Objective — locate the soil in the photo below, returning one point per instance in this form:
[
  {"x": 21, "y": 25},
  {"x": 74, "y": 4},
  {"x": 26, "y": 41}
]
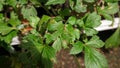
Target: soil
[{"x": 65, "y": 60}]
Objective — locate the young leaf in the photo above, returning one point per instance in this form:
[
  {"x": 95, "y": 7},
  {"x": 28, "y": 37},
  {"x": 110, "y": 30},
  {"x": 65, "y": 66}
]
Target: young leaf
[
  {"x": 94, "y": 59},
  {"x": 95, "y": 42},
  {"x": 114, "y": 40},
  {"x": 54, "y": 2},
  {"x": 77, "y": 48},
  {"x": 93, "y": 20},
  {"x": 71, "y": 20}
]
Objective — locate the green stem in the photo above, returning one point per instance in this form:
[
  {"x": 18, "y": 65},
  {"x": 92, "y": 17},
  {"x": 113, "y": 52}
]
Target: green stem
[
  {"x": 76, "y": 61},
  {"x": 112, "y": 20}
]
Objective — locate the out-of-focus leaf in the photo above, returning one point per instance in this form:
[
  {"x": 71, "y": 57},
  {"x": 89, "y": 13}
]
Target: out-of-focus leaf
[
  {"x": 95, "y": 42},
  {"x": 77, "y": 48},
  {"x": 4, "y": 29},
  {"x": 90, "y": 31},
  {"x": 34, "y": 21},
  {"x": 89, "y": 1},
  {"x": 114, "y": 40},
  {"x": 48, "y": 52},
  {"x": 65, "y": 12},
  {"x": 80, "y": 22},
  {"x": 54, "y": 2},
  {"x": 112, "y": 8},
  {"x": 57, "y": 45},
  {"x": 94, "y": 59},
  {"x": 55, "y": 26},
  {"x": 71, "y": 20},
  {"x": 111, "y": 1},
  {"x": 28, "y": 12},
  {"x": 79, "y": 7},
  {"x": 12, "y": 3},
  {"x": 93, "y": 20},
  {"x": 1, "y": 6}
]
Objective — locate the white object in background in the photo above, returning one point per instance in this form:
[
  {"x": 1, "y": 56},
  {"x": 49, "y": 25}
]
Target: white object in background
[
  {"x": 15, "y": 41},
  {"x": 106, "y": 25}
]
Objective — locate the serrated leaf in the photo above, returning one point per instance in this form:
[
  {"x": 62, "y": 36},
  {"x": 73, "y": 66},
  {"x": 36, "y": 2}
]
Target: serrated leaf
[
  {"x": 95, "y": 42},
  {"x": 57, "y": 45},
  {"x": 114, "y": 40},
  {"x": 77, "y": 48},
  {"x": 54, "y": 2},
  {"x": 90, "y": 31},
  {"x": 94, "y": 59},
  {"x": 4, "y": 29},
  {"x": 93, "y": 20},
  {"x": 71, "y": 20},
  {"x": 48, "y": 52},
  {"x": 89, "y": 1}
]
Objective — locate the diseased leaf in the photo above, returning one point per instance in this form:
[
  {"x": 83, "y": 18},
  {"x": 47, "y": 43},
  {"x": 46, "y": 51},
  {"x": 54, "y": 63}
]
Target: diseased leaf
[
  {"x": 77, "y": 48},
  {"x": 95, "y": 42},
  {"x": 114, "y": 40},
  {"x": 54, "y": 2},
  {"x": 94, "y": 59},
  {"x": 93, "y": 20}
]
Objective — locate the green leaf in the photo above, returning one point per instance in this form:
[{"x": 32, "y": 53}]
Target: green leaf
[
  {"x": 77, "y": 48},
  {"x": 95, "y": 42},
  {"x": 77, "y": 33},
  {"x": 34, "y": 21},
  {"x": 112, "y": 8},
  {"x": 48, "y": 52},
  {"x": 79, "y": 7},
  {"x": 8, "y": 38},
  {"x": 80, "y": 22},
  {"x": 14, "y": 22},
  {"x": 64, "y": 12},
  {"x": 54, "y": 2},
  {"x": 90, "y": 31},
  {"x": 89, "y": 1},
  {"x": 93, "y": 20},
  {"x": 28, "y": 12},
  {"x": 1, "y": 7},
  {"x": 107, "y": 16},
  {"x": 12, "y": 2},
  {"x": 23, "y": 1},
  {"x": 57, "y": 45},
  {"x": 114, "y": 40},
  {"x": 111, "y": 1},
  {"x": 71, "y": 20},
  {"x": 4, "y": 29},
  {"x": 94, "y": 59},
  {"x": 55, "y": 26}
]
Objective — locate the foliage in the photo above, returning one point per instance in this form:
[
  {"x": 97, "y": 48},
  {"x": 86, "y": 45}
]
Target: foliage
[{"x": 47, "y": 26}]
